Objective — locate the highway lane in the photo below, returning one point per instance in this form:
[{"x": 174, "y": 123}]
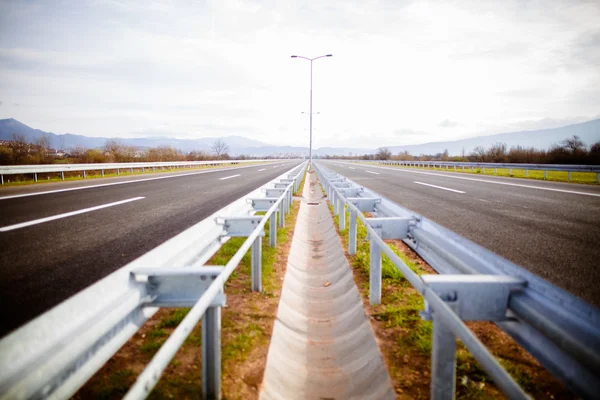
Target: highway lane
[
  {"x": 550, "y": 228},
  {"x": 43, "y": 264}
]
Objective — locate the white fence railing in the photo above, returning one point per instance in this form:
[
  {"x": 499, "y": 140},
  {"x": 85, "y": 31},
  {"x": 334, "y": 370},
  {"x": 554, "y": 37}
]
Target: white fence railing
[
  {"x": 458, "y": 166},
  {"x": 36, "y": 169},
  {"x": 56, "y": 353}
]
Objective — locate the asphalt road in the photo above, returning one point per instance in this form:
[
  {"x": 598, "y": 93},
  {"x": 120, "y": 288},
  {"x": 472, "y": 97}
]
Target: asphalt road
[
  {"x": 45, "y": 263},
  {"x": 550, "y": 228}
]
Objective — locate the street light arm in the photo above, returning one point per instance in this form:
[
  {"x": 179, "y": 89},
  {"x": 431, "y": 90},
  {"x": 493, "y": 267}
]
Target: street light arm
[{"x": 313, "y": 59}]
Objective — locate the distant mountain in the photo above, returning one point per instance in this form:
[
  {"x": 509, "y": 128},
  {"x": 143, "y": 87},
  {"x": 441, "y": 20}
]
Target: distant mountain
[
  {"x": 589, "y": 132},
  {"x": 9, "y": 127}
]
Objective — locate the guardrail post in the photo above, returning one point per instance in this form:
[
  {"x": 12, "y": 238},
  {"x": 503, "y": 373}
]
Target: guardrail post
[
  {"x": 568, "y": 175},
  {"x": 598, "y": 177},
  {"x": 546, "y": 174},
  {"x": 2, "y": 179},
  {"x": 35, "y": 177},
  {"x": 342, "y": 211},
  {"x": 62, "y": 175},
  {"x": 443, "y": 361},
  {"x": 374, "y": 273},
  {"x": 335, "y": 203},
  {"x": 83, "y": 174},
  {"x": 211, "y": 353},
  {"x": 256, "y": 265},
  {"x": 495, "y": 171},
  {"x": 510, "y": 171},
  {"x": 143, "y": 170},
  {"x": 273, "y": 229},
  {"x": 281, "y": 215},
  {"x": 352, "y": 233},
  {"x": 117, "y": 171},
  {"x": 526, "y": 172},
  {"x": 102, "y": 172},
  {"x": 131, "y": 170}
]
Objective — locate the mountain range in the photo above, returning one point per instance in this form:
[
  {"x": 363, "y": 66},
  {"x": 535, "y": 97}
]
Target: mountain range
[{"x": 589, "y": 132}]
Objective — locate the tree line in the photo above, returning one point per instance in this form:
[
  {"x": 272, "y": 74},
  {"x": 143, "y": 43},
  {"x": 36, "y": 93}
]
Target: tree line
[
  {"x": 18, "y": 151},
  {"x": 569, "y": 151}
]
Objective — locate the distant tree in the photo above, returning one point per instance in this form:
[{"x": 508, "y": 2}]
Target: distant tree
[
  {"x": 573, "y": 145},
  {"x": 383, "y": 153},
  {"x": 497, "y": 153},
  {"x": 594, "y": 153},
  {"x": 220, "y": 149},
  {"x": 478, "y": 154}
]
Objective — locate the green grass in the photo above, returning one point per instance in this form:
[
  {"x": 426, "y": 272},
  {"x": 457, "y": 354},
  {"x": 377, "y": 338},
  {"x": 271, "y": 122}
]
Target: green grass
[
  {"x": 557, "y": 176},
  {"x": 118, "y": 384},
  {"x": 250, "y": 335}
]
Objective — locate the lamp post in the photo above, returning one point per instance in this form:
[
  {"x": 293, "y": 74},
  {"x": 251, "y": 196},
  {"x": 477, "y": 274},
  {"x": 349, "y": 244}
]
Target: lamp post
[{"x": 311, "y": 113}]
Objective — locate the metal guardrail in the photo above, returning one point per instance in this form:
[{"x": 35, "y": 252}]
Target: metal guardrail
[
  {"x": 510, "y": 166},
  {"x": 56, "y": 353},
  {"x": 62, "y": 168},
  {"x": 561, "y": 331}
]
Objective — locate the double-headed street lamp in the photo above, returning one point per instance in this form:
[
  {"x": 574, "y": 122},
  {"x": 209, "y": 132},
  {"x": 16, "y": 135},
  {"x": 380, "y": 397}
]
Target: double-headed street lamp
[{"x": 311, "y": 113}]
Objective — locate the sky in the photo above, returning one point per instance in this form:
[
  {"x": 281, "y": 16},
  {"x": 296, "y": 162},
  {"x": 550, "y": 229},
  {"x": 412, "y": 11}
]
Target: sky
[{"x": 402, "y": 72}]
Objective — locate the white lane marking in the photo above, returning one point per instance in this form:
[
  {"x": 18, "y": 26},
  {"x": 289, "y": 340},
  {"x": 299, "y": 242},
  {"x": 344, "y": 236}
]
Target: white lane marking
[
  {"x": 65, "y": 215},
  {"x": 16, "y": 196},
  {"x": 374, "y": 173},
  {"x": 262, "y": 169},
  {"x": 351, "y": 168},
  {"x": 451, "y": 175},
  {"x": 440, "y": 187},
  {"x": 229, "y": 177}
]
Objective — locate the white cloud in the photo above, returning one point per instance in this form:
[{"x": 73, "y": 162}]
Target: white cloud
[{"x": 124, "y": 68}]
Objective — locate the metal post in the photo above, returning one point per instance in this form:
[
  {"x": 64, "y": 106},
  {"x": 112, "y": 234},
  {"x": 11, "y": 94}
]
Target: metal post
[
  {"x": 483, "y": 170},
  {"x": 526, "y": 172},
  {"x": 117, "y": 171},
  {"x": 83, "y": 173},
  {"x": 35, "y": 177},
  {"x": 311, "y": 113},
  {"x": 342, "y": 212},
  {"x": 510, "y": 171},
  {"x": 2, "y": 179},
  {"x": 545, "y": 174},
  {"x": 281, "y": 215},
  {"x": 153, "y": 169},
  {"x": 211, "y": 354},
  {"x": 102, "y": 172},
  {"x": 131, "y": 170},
  {"x": 335, "y": 203},
  {"x": 352, "y": 233},
  {"x": 257, "y": 265},
  {"x": 143, "y": 170},
  {"x": 443, "y": 361},
  {"x": 568, "y": 175},
  {"x": 273, "y": 229},
  {"x": 495, "y": 171},
  {"x": 598, "y": 177},
  {"x": 375, "y": 273}
]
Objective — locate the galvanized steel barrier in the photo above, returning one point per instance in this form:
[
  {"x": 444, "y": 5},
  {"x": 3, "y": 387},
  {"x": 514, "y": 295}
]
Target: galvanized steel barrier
[
  {"x": 56, "y": 353},
  {"x": 36, "y": 169},
  {"x": 561, "y": 331},
  {"x": 481, "y": 165}
]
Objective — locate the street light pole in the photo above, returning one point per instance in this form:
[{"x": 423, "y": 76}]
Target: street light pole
[{"x": 311, "y": 96}]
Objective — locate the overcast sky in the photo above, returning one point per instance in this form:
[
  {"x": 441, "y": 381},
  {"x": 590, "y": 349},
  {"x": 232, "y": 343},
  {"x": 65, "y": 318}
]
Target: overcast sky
[{"x": 402, "y": 72}]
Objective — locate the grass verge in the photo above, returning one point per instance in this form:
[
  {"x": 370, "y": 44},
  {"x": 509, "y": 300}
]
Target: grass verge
[
  {"x": 247, "y": 324},
  {"x": 405, "y": 339},
  {"x": 557, "y": 176}
]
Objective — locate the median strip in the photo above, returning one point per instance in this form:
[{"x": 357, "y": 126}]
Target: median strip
[
  {"x": 65, "y": 215},
  {"x": 439, "y": 187},
  {"x": 229, "y": 177}
]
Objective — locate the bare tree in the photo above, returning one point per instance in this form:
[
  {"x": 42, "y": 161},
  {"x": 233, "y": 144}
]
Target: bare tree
[
  {"x": 220, "y": 149},
  {"x": 573, "y": 144},
  {"x": 383, "y": 153}
]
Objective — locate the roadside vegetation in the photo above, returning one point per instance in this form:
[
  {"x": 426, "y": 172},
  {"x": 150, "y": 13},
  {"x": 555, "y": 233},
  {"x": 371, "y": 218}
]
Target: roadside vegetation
[
  {"x": 246, "y": 327},
  {"x": 405, "y": 339}
]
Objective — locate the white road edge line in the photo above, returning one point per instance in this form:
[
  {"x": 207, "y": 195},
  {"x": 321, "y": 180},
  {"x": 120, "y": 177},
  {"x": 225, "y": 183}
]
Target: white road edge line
[
  {"x": 15, "y": 196},
  {"x": 450, "y": 175},
  {"x": 264, "y": 169},
  {"x": 65, "y": 215},
  {"x": 440, "y": 187},
  {"x": 229, "y": 177},
  {"x": 351, "y": 168},
  {"x": 374, "y": 173}
]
